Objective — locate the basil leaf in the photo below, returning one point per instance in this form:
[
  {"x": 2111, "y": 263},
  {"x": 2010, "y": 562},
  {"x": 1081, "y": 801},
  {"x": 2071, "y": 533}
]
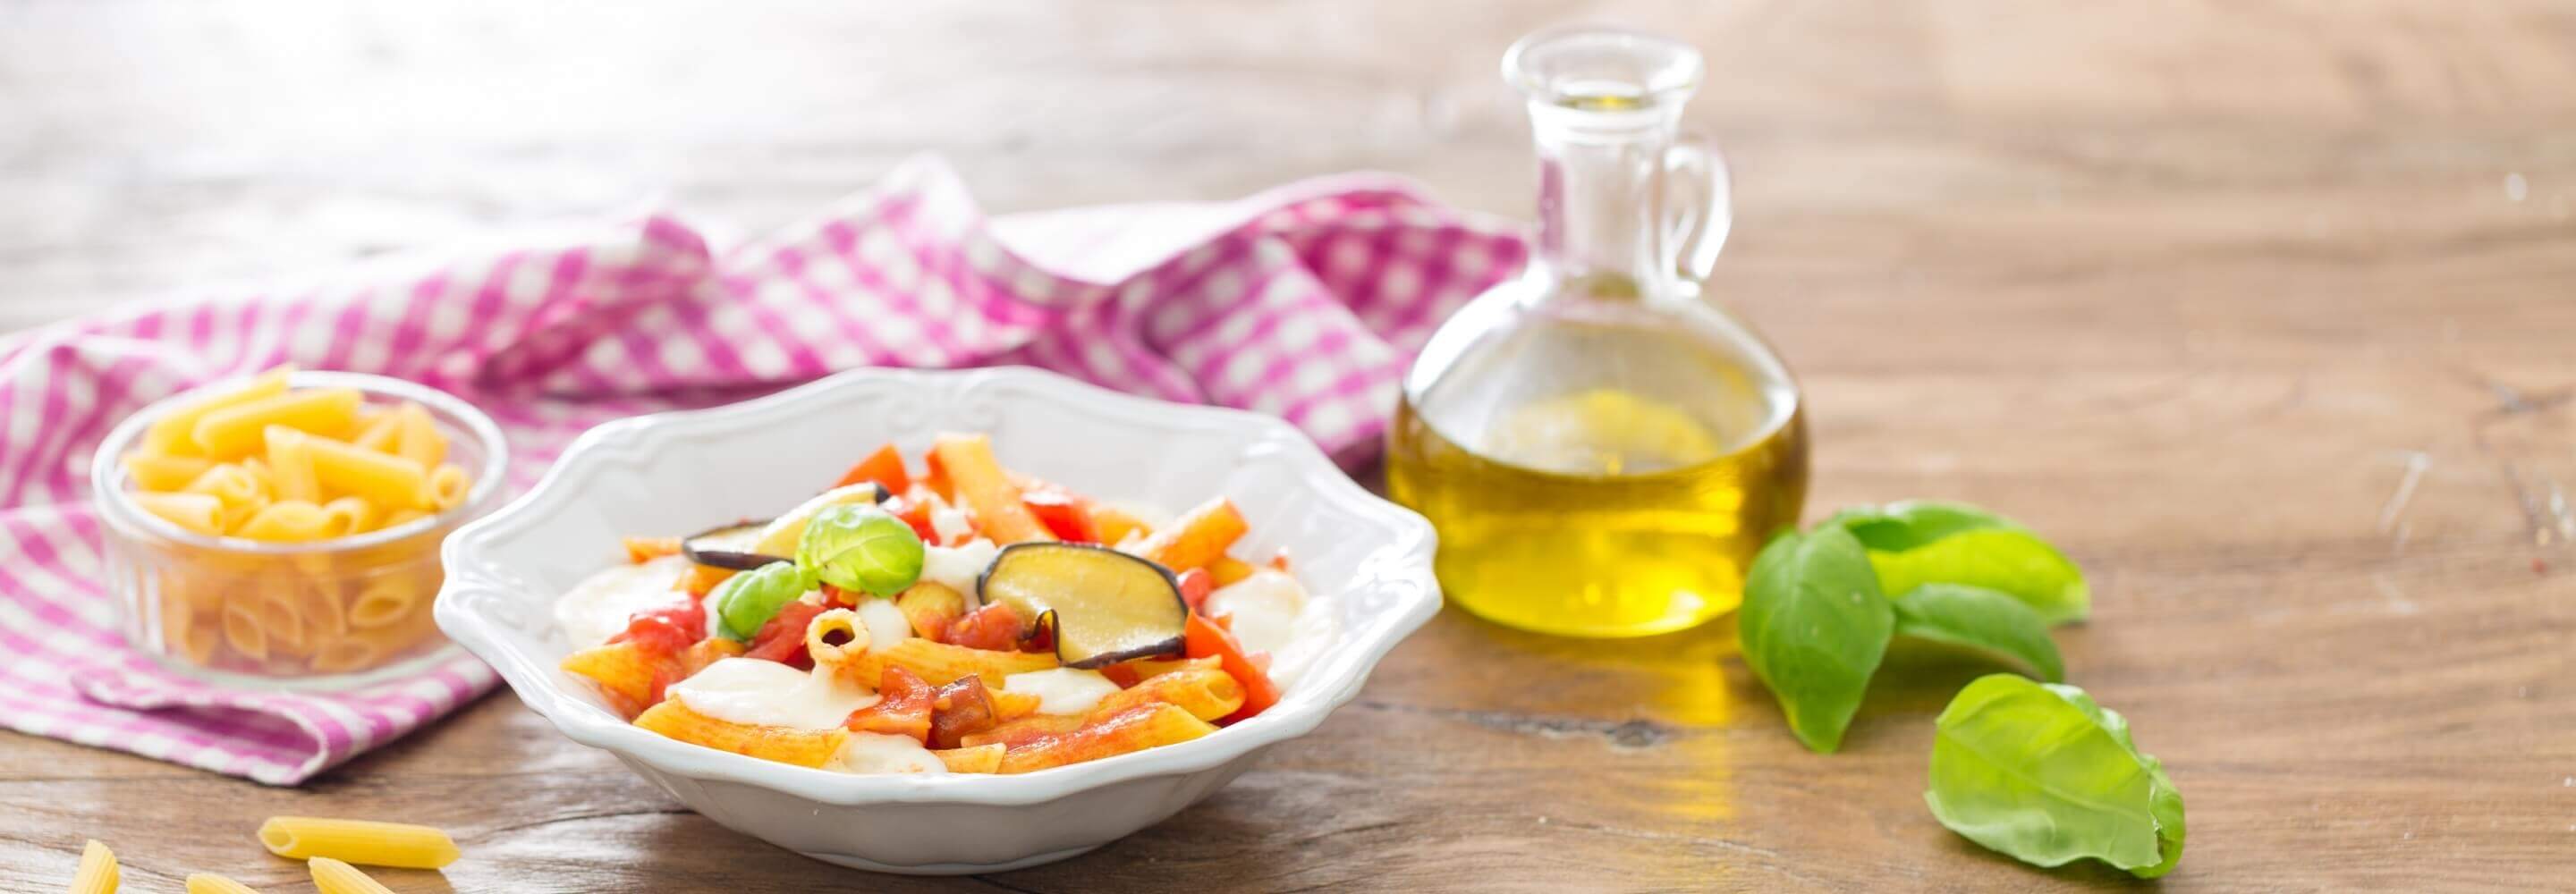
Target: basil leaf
[
  {"x": 1900, "y": 526},
  {"x": 749, "y": 599},
  {"x": 1814, "y": 626},
  {"x": 2042, "y": 774},
  {"x": 1919, "y": 542},
  {"x": 1980, "y": 619}
]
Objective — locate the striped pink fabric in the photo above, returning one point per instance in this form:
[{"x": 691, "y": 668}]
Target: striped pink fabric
[{"x": 1304, "y": 302}]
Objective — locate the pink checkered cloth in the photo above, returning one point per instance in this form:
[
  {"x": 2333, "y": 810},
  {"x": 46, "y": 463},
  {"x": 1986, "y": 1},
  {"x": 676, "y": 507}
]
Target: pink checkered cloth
[{"x": 1305, "y": 302}]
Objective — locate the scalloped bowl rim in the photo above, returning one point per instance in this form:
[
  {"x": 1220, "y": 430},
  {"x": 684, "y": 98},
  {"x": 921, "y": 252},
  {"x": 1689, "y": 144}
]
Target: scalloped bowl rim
[{"x": 1342, "y": 673}]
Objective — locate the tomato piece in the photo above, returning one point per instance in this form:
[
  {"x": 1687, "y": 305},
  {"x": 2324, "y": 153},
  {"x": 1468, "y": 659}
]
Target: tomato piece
[
  {"x": 902, "y": 709},
  {"x": 937, "y": 478},
  {"x": 1066, "y": 516},
  {"x": 885, "y": 467},
  {"x": 916, "y": 514},
  {"x": 1205, "y": 638},
  {"x": 993, "y": 628},
  {"x": 960, "y": 709},
  {"x": 782, "y": 639},
  {"x": 1196, "y": 584},
  {"x": 665, "y": 631}
]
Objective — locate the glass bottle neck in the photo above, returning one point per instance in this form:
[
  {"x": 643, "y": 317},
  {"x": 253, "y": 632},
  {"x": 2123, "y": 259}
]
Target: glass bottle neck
[{"x": 1601, "y": 196}]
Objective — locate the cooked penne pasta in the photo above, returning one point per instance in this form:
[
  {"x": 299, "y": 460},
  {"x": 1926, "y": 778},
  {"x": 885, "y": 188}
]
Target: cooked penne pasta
[
  {"x": 174, "y": 434},
  {"x": 979, "y": 759},
  {"x": 940, "y": 664},
  {"x": 334, "y": 877},
  {"x": 358, "y": 841},
  {"x": 156, "y": 472},
  {"x": 98, "y": 872},
  {"x": 210, "y": 883},
  {"x": 981, "y": 483},
  {"x": 1199, "y": 537},
  {"x": 199, "y": 512},
  {"x": 234, "y": 431},
  {"x": 802, "y": 747},
  {"x": 390, "y": 481},
  {"x": 1138, "y": 729},
  {"x": 930, "y": 606},
  {"x": 623, "y": 670},
  {"x": 834, "y": 640}
]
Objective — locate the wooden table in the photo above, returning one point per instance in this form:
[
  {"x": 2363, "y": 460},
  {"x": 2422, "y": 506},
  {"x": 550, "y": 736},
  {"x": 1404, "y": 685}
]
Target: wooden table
[{"x": 2266, "y": 313}]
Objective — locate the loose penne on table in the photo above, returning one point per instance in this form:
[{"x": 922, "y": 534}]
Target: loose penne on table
[{"x": 967, "y": 619}]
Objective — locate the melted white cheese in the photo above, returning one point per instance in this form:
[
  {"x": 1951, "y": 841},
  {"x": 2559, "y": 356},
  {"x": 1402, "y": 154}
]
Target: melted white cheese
[
  {"x": 1062, "y": 690},
  {"x": 958, "y": 566},
  {"x": 1270, "y": 612},
  {"x": 599, "y": 606},
  {"x": 882, "y": 753},
  {"x": 949, "y": 523},
  {"x": 750, "y": 690},
  {"x": 886, "y": 623}
]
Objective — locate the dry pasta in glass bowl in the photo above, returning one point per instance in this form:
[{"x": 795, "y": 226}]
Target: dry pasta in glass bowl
[{"x": 284, "y": 529}]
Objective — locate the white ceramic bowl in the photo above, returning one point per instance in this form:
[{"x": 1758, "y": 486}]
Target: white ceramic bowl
[{"x": 677, "y": 472}]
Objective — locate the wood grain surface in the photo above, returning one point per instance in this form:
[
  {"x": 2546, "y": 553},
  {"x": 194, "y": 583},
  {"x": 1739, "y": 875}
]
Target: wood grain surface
[{"x": 2265, "y": 312}]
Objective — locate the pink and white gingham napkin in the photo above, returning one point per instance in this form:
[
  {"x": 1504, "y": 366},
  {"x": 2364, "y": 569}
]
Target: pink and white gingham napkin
[{"x": 1305, "y": 302}]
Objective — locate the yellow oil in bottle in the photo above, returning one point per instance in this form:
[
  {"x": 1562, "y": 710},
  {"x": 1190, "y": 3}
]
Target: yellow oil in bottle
[{"x": 1600, "y": 477}]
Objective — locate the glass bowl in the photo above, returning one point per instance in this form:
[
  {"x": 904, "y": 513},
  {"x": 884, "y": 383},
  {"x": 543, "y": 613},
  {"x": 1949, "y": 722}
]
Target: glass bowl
[{"x": 326, "y": 614}]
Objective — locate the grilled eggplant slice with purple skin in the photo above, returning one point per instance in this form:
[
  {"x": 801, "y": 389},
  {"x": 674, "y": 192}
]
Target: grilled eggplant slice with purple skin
[
  {"x": 1104, "y": 606},
  {"x": 702, "y": 547}
]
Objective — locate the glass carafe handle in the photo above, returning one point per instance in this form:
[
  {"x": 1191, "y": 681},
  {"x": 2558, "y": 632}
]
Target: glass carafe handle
[{"x": 1701, "y": 199}]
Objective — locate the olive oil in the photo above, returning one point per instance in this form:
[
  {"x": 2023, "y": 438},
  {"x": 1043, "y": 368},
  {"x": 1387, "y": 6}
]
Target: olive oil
[
  {"x": 1601, "y": 447},
  {"x": 1594, "y": 479}
]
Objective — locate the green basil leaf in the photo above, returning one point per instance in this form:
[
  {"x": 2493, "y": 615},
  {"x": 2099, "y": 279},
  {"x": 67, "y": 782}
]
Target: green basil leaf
[
  {"x": 2042, "y": 774},
  {"x": 1919, "y": 542},
  {"x": 1814, "y": 626},
  {"x": 2008, "y": 560},
  {"x": 749, "y": 599},
  {"x": 1897, "y": 527},
  {"x": 1980, "y": 619},
  {"x": 859, "y": 547}
]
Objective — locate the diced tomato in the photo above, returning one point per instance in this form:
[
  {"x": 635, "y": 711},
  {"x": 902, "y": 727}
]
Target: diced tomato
[
  {"x": 995, "y": 628},
  {"x": 665, "y": 631},
  {"x": 937, "y": 478},
  {"x": 959, "y": 709},
  {"x": 640, "y": 550},
  {"x": 783, "y": 639},
  {"x": 1205, "y": 638},
  {"x": 836, "y": 596},
  {"x": 885, "y": 467},
  {"x": 916, "y": 514},
  {"x": 1196, "y": 584},
  {"x": 1066, "y": 516},
  {"x": 902, "y": 708}
]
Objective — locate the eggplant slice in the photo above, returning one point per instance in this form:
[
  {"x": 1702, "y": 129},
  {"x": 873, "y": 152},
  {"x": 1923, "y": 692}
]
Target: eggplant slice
[
  {"x": 720, "y": 547},
  {"x": 1105, "y": 606}
]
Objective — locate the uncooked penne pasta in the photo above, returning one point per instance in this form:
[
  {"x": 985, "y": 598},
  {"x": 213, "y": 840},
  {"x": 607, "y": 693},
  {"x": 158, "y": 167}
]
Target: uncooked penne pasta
[
  {"x": 390, "y": 481},
  {"x": 234, "y": 431},
  {"x": 98, "y": 872},
  {"x": 290, "y": 464},
  {"x": 334, "y": 877},
  {"x": 210, "y": 883},
  {"x": 242, "y": 631},
  {"x": 447, "y": 487},
  {"x": 281, "y": 623},
  {"x": 416, "y": 436},
  {"x": 348, "y": 515},
  {"x": 155, "y": 472},
  {"x": 379, "y": 434},
  {"x": 357, "y": 841},
  {"x": 228, "y": 482},
  {"x": 287, "y": 521},
  {"x": 174, "y": 434},
  {"x": 202, "y": 513},
  {"x": 382, "y": 602}
]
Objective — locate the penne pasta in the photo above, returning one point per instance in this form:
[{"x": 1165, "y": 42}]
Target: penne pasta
[
  {"x": 334, "y": 877},
  {"x": 290, "y": 463},
  {"x": 401, "y": 517},
  {"x": 358, "y": 841},
  {"x": 281, "y": 623},
  {"x": 242, "y": 631},
  {"x": 98, "y": 872},
  {"x": 174, "y": 434},
  {"x": 234, "y": 431},
  {"x": 980, "y": 481},
  {"x": 202, "y": 513},
  {"x": 348, "y": 515},
  {"x": 1138, "y": 729},
  {"x": 287, "y": 521},
  {"x": 210, "y": 883},
  {"x": 835, "y": 640},
  {"x": 979, "y": 759},
  {"x": 940, "y": 664},
  {"x": 228, "y": 482},
  {"x": 389, "y": 481},
  {"x": 416, "y": 436},
  {"x": 382, "y": 433},
  {"x": 1115, "y": 525},
  {"x": 156, "y": 472},
  {"x": 930, "y": 607},
  {"x": 1199, "y": 537},
  {"x": 447, "y": 487},
  {"x": 802, "y": 747},
  {"x": 383, "y": 602}
]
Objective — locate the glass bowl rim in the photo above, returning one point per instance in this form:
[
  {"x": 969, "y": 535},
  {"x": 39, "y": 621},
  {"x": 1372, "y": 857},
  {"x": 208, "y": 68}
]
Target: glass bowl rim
[{"x": 108, "y": 479}]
